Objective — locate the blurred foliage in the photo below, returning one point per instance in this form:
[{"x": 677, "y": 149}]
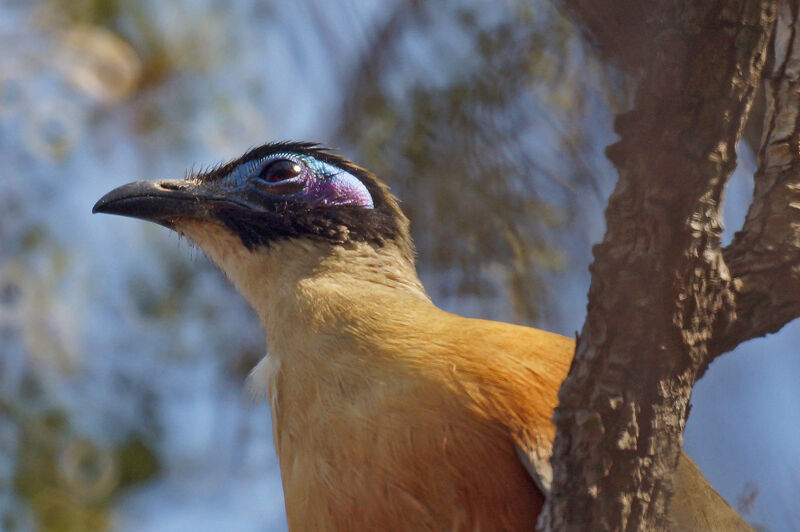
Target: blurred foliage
[
  {"x": 127, "y": 23},
  {"x": 137, "y": 461},
  {"x": 68, "y": 479},
  {"x": 164, "y": 300},
  {"x": 482, "y": 134}
]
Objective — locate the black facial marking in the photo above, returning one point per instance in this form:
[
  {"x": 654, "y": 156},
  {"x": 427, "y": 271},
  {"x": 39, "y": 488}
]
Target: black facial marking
[{"x": 284, "y": 218}]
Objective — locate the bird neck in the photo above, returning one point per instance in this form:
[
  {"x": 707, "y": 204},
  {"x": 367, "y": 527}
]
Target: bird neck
[
  {"x": 324, "y": 309},
  {"x": 297, "y": 277},
  {"x": 316, "y": 278},
  {"x": 320, "y": 304}
]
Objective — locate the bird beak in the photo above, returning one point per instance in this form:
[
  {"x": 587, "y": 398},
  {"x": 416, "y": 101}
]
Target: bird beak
[{"x": 162, "y": 202}]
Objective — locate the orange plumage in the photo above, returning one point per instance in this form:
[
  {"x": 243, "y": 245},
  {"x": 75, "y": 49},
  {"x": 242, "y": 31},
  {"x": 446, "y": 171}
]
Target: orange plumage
[
  {"x": 388, "y": 413},
  {"x": 391, "y": 414}
]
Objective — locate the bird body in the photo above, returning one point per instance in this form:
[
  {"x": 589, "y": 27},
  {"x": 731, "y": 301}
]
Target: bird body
[
  {"x": 380, "y": 399},
  {"x": 388, "y": 413}
]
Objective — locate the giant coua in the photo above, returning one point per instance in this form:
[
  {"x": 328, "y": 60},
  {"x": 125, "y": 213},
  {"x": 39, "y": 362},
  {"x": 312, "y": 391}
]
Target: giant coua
[{"x": 388, "y": 413}]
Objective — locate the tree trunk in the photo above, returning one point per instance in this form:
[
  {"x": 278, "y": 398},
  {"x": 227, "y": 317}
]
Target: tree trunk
[{"x": 663, "y": 302}]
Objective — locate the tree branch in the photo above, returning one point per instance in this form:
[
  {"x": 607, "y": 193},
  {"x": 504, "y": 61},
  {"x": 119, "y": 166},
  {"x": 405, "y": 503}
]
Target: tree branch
[
  {"x": 623, "y": 31},
  {"x": 660, "y": 288},
  {"x": 764, "y": 257}
]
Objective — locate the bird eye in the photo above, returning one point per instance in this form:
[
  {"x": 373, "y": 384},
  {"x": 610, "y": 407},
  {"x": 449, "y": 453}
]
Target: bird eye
[{"x": 280, "y": 170}]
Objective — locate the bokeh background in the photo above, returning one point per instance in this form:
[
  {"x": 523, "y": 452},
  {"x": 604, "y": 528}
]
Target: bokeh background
[{"x": 123, "y": 351}]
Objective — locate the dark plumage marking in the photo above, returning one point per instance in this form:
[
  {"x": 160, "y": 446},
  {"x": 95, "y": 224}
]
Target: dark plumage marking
[{"x": 289, "y": 218}]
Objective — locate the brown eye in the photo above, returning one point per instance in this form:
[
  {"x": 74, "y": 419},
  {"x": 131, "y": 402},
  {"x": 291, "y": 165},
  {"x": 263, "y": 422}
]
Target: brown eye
[{"x": 280, "y": 170}]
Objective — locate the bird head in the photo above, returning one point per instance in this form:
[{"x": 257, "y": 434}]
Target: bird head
[{"x": 280, "y": 198}]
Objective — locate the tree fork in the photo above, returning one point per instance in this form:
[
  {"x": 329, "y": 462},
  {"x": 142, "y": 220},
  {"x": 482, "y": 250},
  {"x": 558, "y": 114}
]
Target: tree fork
[{"x": 661, "y": 293}]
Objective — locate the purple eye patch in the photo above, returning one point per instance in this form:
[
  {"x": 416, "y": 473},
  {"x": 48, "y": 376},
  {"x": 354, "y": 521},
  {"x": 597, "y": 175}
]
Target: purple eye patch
[
  {"x": 322, "y": 183},
  {"x": 329, "y": 185}
]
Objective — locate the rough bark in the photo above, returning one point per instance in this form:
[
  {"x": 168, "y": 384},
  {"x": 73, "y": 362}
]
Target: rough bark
[
  {"x": 764, "y": 256},
  {"x": 661, "y": 293}
]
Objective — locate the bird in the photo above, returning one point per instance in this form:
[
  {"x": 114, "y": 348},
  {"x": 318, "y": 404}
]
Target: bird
[{"x": 388, "y": 412}]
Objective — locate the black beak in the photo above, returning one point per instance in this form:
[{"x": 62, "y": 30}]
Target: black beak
[{"x": 161, "y": 202}]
